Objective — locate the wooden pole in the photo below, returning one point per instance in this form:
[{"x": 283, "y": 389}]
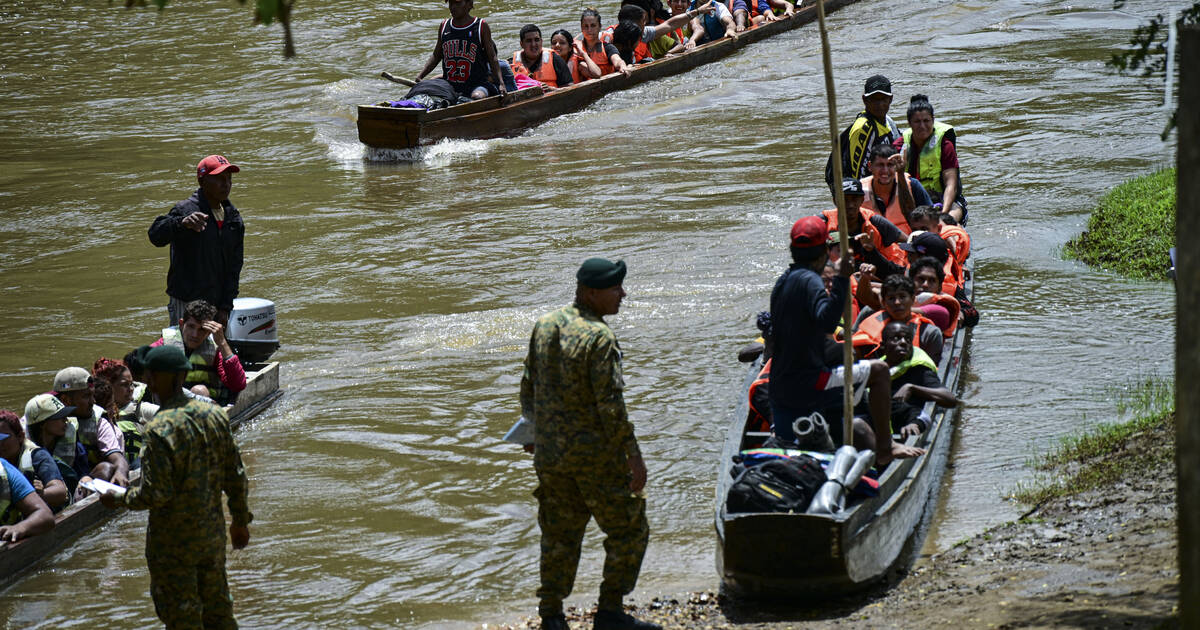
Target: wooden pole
[
  {"x": 844, "y": 240},
  {"x": 1187, "y": 330}
]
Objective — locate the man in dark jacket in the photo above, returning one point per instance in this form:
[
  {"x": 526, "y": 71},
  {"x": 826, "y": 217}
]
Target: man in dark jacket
[{"x": 205, "y": 232}]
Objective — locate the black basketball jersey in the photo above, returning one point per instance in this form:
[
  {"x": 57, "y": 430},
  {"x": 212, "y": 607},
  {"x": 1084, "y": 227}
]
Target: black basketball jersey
[{"x": 464, "y": 61}]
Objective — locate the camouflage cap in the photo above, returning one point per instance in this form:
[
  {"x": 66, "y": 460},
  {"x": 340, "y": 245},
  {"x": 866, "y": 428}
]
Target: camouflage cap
[
  {"x": 45, "y": 407},
  {"x": 167, "y": 359},
  {"x": 600, "y": 273}
]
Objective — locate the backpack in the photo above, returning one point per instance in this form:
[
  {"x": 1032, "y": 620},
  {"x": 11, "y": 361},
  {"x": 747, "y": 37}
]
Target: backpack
[{"x": 777, "y": 485}]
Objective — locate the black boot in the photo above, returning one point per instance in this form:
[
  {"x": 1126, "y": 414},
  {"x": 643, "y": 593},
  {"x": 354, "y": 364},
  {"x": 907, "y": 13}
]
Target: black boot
[
  {"x": 610, "y": 620},
  {"x": 555, "y": 622}
]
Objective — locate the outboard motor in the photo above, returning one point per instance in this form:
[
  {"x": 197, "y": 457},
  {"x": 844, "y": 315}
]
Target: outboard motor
[{"x": 251, "y": 330}]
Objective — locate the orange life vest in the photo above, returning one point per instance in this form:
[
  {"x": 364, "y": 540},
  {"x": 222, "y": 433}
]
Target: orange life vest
[
  {"x": 952, "y": 273},
  {"x": 757, "y": 420},
  {"x": 891, "y": 252},
  {"x": 545, "y": 72},
  {"x": 951, "y": 305},
  {"x": 892, "y": 212},
  {"x": 598, "y": 56},
  {"x": 640, "y": 52},
  {"x": 962, "y": 246},
  {"x": 869, "y": 334}
]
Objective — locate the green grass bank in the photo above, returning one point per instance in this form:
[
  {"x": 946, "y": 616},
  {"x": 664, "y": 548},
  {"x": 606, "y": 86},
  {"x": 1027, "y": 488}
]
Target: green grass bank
[
  {"x": 1132, "y": 228},
  {"x": 1109, "y": 452}
]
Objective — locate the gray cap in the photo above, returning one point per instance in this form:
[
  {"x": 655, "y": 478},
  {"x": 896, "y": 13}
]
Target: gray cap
[{"x": 72, "y": 379}]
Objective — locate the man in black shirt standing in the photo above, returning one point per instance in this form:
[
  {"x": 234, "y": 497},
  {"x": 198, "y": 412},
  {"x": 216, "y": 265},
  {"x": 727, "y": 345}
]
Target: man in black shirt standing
[
  {"x": 205, "y": 232},
  {"x": 802, "y": 316}
]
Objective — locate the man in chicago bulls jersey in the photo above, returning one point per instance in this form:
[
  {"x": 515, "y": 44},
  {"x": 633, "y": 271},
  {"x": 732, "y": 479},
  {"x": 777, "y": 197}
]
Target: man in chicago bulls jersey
[{"x": 468, "y": 55}]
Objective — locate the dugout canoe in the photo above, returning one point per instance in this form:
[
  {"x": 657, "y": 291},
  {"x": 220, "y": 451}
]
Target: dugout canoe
[
  {"x": 804, "y": 556},
  {"x": 403, "y": 128},
  {"x": 262, "y": 389}
]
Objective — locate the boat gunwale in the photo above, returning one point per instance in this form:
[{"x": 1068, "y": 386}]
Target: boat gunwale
[
  {"x": 895, "y": 488},
  {"x": 79, "y": 518},
  {"x": 422, "y": 121}
]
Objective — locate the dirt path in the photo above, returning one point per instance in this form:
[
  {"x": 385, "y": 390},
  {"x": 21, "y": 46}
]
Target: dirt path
[{"x": 1098, "y": 559}]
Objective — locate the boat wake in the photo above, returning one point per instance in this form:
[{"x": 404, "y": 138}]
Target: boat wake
[{"x": 440, "y": 154}]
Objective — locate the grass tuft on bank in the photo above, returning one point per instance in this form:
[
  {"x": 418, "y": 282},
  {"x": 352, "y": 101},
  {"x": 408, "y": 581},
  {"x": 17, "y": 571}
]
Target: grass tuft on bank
[
  {"x": 1109, "y": 452},
  {"x": 1132, "y": 228}
]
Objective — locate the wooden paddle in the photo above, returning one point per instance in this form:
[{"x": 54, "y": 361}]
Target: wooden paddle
[
  {"x": 395, "y": 79},
  {"x": 839, "y": 198}
]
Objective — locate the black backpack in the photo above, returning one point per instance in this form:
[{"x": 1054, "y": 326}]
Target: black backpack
[{"x": 777, "y": 485}]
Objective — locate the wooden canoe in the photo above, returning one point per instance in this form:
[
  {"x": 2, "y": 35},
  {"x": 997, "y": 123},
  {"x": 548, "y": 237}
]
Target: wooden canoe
[
  {"x": 404, "y": 128},
  {"x": 262, "y": 389},
  {"x": 803, "y": 556}
]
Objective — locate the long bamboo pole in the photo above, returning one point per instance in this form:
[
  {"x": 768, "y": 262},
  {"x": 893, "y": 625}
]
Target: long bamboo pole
[{"x": 840, "y": 199}]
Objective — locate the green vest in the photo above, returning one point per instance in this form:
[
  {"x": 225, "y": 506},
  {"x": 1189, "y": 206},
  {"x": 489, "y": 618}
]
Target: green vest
[
  {"x": 930, "y": 158},
  {"x": 130, "y": 427},
  {"x": 64, "y": 470},
  {"x": 919, "y": 357},
  {"x": 204, "y": 364},
  {"x": 65, "y": 448}
]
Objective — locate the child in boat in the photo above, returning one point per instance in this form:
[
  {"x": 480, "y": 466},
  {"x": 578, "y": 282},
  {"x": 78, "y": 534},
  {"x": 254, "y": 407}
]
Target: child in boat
[
  {"x": 602, "y": 55},
  {"x": 898, "y": 295},
  {"x": 563, "y": 45},
  {"x": 467, "y": 53},
  {"x": 914, "y": 381},
  {"x": 538, "y": 63}
]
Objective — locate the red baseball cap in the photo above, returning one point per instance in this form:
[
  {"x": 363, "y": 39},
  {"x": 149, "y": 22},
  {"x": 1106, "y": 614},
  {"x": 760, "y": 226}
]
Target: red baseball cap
[
  {"x": 810, "y": 232},
  {"x": 215, "y": 164}
]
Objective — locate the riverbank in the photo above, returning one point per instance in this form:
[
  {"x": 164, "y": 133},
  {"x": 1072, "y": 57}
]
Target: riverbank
[
  {"x": 1087, "y": 556},
  {"x": 1132, "y": 228}
]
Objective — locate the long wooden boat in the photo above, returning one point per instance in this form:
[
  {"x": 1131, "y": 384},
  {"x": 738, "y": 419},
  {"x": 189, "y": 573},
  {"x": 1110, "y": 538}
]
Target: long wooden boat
[
  {"x": 805, "y": 556},
  {"x": 262, "y": 389},
  {"x": 404, "y": 128}
]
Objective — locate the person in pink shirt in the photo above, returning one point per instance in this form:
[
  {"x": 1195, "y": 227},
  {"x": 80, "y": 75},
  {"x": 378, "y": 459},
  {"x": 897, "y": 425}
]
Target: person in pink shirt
[{"x": 216, "y": 370}]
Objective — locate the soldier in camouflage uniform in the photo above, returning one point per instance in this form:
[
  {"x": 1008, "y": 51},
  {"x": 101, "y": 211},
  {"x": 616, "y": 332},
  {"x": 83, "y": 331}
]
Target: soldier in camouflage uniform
[
  {"x": 189, "y": 459},
  {"x": 585, "y": 452}
]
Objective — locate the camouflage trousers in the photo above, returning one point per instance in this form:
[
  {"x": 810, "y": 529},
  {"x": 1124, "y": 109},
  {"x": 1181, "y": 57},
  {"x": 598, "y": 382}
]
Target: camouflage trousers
[
  {"x": 567, "y": 499},
  {"x": 191, "y": 592}
]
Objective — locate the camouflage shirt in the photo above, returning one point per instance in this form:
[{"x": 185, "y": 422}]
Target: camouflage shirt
[
  {"x": 189, "y": 458},
  {"x": 572, "y": 389}
]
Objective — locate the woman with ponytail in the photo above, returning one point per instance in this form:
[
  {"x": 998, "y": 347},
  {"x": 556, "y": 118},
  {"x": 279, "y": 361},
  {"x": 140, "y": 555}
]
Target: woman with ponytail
[{"x": 930, "y": 151}]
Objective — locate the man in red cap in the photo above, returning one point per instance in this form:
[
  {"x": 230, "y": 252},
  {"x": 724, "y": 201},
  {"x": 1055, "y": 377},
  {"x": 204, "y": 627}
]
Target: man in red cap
[
  {"x": 803, "y": 315},
  {"x": 205, "y": 232}
]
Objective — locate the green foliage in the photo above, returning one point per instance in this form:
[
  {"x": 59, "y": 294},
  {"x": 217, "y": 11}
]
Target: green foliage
[
  {"x": 1147, "y": 49},
  {"x": 1132, "y": 229},
  {"x": 265, "y": 12},
  {"x": 1109, "y": 452}
]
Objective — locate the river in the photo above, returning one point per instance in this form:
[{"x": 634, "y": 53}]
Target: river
[{"x": 406, "y": 288}]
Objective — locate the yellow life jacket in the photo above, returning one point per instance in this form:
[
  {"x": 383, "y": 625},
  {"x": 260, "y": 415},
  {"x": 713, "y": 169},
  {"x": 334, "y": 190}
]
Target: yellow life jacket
[
  {"x": 204, "y": 364},
  {"x": 930, "y": 157},
  {"x": 919, "y": 357}
]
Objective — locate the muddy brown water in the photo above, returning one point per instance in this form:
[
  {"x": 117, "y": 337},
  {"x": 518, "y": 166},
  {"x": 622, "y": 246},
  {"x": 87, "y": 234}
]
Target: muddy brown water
[{"x": 406, "y": 288}]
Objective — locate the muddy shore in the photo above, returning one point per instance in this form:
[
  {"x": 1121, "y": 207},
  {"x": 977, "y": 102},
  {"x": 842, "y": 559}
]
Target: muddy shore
[{"x": 1096, "y": 559}]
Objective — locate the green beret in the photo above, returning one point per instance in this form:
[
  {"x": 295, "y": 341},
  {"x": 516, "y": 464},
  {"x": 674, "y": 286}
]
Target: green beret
[
  {"x": 598, "y": 273},
  {"x": 167, "y": 359}
]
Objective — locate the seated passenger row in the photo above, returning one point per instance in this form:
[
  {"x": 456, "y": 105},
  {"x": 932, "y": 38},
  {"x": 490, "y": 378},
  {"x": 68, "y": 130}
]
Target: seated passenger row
[{"x": 89, "y": 425}]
